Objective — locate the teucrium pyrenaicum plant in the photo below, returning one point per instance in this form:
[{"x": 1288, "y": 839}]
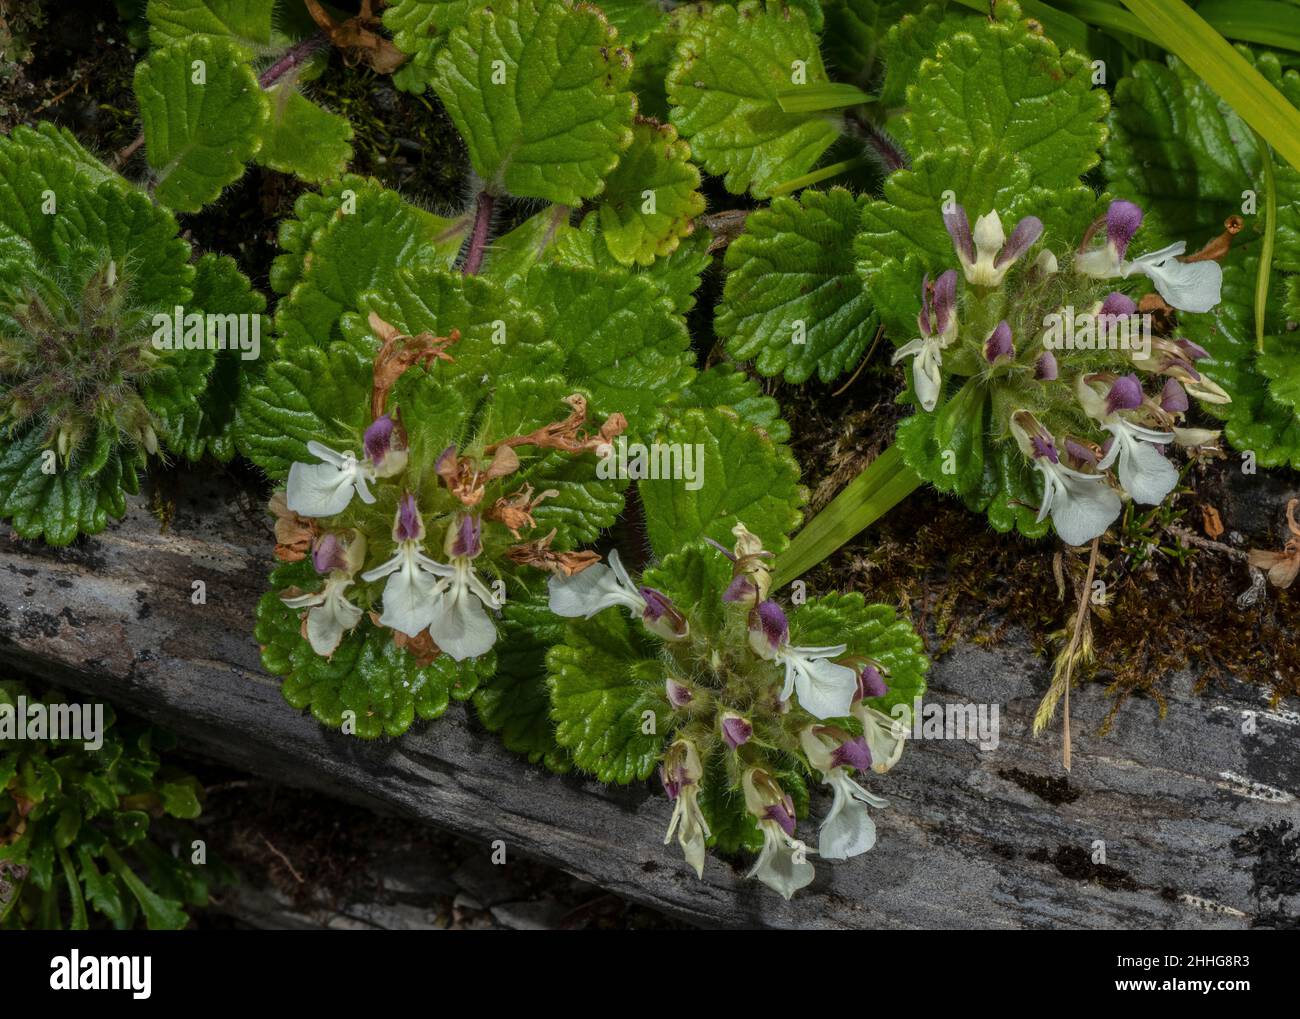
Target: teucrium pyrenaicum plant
[{"x": 738, "y": 701}]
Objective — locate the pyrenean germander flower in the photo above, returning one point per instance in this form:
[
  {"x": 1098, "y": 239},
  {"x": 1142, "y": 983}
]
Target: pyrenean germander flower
[{"x": 1068, "y": 365}]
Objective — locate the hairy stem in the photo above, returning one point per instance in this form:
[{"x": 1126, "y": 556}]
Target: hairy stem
[
  {"x": 478, "y": 238},
  {"x": 299, "y": 53}
]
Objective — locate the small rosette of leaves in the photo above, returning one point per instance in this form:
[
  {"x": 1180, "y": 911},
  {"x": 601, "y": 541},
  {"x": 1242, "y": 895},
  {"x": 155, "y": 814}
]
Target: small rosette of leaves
[
  {"x": 428, "y": 472},
  {"x": 106, "y": 338},
  {"x": 82, "y": 826},
  {"x": 738, "y": 702}
]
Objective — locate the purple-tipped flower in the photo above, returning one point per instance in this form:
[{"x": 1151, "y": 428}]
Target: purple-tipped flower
[
  {"x": 385, "y": 446},
  {"x": 1079, "y": 453},
  {"x": 999, "y": 344},
  {"x": 465, "y": 541},
  {"x": 741, "y": 589},
  {"x": 1122, "y": 222},
  {"x": 853, "y": 753},
  {"x": 661, "y": 617},
  {"x": 735, "y": 730},
  {"x": 783, "y": 814},
  {"x": 1125, "y": 394},
  {"x": 1026, "y": 232},
  {"x": 1193, "y": 350},
  {"x": 958, "y": 226},
  {"x": 768, "y": 629},
  {"x": 1173, "y": 398},
  {"x": 986, "y": 253},
  {"x": 871, "y": 683},
  {"x": 329, "y": 555},
  {"x": 1117, "y": 305},
  {"x": 678, "y": 695},
  {"x": 1045, "y": 369},
  {"x": 938, "y": 302},
  {"x": 1044, "y": 448},
  {"x": 408, "y": 526}
]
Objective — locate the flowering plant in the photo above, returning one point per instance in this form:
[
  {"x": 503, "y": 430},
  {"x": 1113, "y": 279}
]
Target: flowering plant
[{"x": 697, "y": 671}]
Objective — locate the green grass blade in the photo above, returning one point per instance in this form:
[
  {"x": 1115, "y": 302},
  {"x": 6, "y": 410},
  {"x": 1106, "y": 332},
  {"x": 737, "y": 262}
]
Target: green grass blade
[
  {"x": 1258, "y": 21},
  {"x": 1191, "y": 38},
  {"x": 817, "y": 176},
  {"x": 1266, "y": 249},
  {"x": 885, "y": 483},
  {"x": 829, "y": 95}
]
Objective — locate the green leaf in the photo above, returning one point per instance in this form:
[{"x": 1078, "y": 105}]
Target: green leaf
[
  {"x": 1002, "y": 84},
  {"x": 181, "y": 799},
  {"x": 515, "y": 701},
  {"x": 308, "y": 394},
  {"x": 160, "y": 914},
  {"x": 677, "y": 276},
  {"x": 793, "y": 299},
  {"x": 247, "y": 23},
  {"x": 731, "y": 64},
  {"x": 725, "y": 385},
  {"x": 59, "y": 506},
  {"x": 621, "y": 340},
  {"x": 538, "y": 91},
  {"x": 659, "y": 164},
  {"x": 605, "y": 686},
  {"x": 743, "y": 476},
  {"x": 102, "y": 890},
  {"x": 360, "y": 235},
  {"x": 419, "y": 28},
  {"x": 635, "y": 20},
  {"x": 511, "y": 255},
  {"x": 220, "y": 288},
  {"x": 303, "y": 139},
  {"x": 368, "y": 675},
  {"x": 1185, "y": 33},
  {"x": 198, "y": 134},
  {"x": 960, "y": 448},
  {"x": 78, "y": 921},
  {"x": 854, "y": 36}
]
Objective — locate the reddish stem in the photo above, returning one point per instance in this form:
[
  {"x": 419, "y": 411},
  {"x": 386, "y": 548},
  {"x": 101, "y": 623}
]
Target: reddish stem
[
  {"x": 299, "y": 53},
  {"x": 478, "y": 239}
]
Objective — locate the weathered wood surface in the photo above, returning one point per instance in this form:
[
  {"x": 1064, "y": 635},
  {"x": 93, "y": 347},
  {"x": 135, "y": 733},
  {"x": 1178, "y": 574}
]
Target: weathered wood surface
[{"x": 969, "y": 841}]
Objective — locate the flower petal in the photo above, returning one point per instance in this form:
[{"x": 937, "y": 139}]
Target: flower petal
[
  {"x": 319, "y": 490},
  {"x": 824, "y": 689},
  {"x": 460, "y": 626}
]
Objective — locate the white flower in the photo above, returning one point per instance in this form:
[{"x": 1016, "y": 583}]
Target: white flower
[
  {"x": 847, "y": 829},
  {"x": 594, "y": 589},
  {"x": 460, "y": 625},
  {"x": 1187, "y": 286},
  {"x": 681, "y": 773},
  {"x": 413, "y": 578},
  {"x": 1144, "y": 472},
  {"x": 329, "y": 613},
  {"x": 937, "y": 323},
  {"x": 1081, "y": 505},
  {"x": 885, "y": 736},
  {"x": 325, "y": 489},
  {"x": 599, "y": 587},
  {"x": 782, "y": 863},
  {"x": 824, "y": 689}
]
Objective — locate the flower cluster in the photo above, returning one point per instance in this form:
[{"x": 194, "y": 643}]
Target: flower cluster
[
  {"x": 1090, "y": 382},
  {"x": 752, "y": 709},
  {"x": 387, "y": 496}
]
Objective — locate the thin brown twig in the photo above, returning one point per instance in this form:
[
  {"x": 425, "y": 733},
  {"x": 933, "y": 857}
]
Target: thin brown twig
[
  {"x": 880, "y": 331},
  {"x": 285, "y": 860}
]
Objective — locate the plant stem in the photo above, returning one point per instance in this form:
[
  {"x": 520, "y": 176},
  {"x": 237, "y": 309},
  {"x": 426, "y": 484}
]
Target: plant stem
[
  {"x": 478, "y": 238},
  {"x": 885, "y": 483},
  {"x": 299, "y": 53},
  {"x": 1270, "y": 235}
]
